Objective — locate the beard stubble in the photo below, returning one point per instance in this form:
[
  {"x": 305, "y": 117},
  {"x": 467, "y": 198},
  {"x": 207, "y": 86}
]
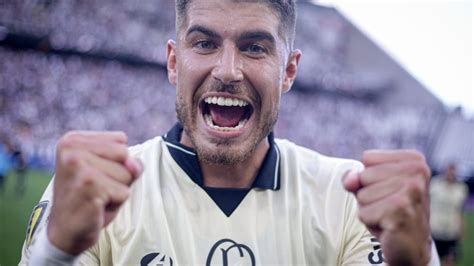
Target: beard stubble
[{"x": 226, "y": 151}]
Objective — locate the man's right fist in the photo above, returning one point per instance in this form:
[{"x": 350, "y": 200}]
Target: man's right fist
[{"x": 93, "y": 178}]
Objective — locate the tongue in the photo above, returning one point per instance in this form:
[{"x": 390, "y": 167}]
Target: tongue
[{"x": 226, "y": 116}]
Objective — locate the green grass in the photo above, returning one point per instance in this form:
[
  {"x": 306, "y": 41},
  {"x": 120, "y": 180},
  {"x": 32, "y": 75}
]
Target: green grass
[
  {"x": 15, "y": 211},
  {"x": 467, "y": 246}
]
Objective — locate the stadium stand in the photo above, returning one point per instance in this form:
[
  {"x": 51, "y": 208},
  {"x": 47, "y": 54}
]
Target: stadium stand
[{"x": 100, "y": 65}]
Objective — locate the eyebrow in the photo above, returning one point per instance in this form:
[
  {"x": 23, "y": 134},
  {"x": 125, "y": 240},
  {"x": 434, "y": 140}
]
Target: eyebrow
[
  {"x": 248, "y": 35},
  {"x": 257, "y": 35},
  {"x": 203, "y": 30}
]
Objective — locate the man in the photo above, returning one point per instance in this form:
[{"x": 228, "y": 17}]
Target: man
[
  {"x": 218, "y": 188},
  {"x": 5, "y": 162},
  {"x": 447, "y": 197}
]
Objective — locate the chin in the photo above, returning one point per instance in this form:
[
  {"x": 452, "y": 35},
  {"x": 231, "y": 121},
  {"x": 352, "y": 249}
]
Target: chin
[{"x": 223, "y": 151}]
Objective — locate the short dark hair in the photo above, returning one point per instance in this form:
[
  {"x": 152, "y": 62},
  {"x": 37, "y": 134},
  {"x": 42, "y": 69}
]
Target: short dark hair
[{"x": 286, "y": 10}]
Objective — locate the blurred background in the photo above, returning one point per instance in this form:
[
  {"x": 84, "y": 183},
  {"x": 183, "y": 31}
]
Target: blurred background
[{"x": 100, "y": 65}]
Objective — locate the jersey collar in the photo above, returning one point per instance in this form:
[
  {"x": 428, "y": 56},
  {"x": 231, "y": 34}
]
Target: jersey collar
[{"x": 268, "y": 176}]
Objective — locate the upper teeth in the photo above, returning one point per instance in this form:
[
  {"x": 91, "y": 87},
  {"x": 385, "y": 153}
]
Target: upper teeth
[{"x": 223, "y": 101}]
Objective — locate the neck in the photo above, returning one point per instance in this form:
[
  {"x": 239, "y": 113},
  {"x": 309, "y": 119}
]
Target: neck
[{"x": 239, "y": 175}]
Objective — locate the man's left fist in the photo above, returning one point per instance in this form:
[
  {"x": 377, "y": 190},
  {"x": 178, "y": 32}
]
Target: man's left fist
[{"x": 392, "y": 192}]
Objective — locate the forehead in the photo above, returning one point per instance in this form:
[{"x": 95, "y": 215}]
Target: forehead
[{"x": 232, "y": 17}]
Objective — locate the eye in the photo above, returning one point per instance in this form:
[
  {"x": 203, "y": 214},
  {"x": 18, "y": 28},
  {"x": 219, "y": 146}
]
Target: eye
[
  {"x": 204, "y": 45},
  {"x": 255, "y": 49}
]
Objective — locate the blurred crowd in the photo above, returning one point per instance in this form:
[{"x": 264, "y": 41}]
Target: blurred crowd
[
  {"x": 344, "y": 126},
  {"x": 42, "y": 96},
  {"x": 141, "y": 30},
  {"x": 108, "y": 26},
  {"x": 44, "y": 93}
]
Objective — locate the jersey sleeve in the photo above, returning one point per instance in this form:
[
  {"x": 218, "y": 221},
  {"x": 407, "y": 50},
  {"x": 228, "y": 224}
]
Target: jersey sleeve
[
  {"x": 37, "y": 222},
  {"x": 90, "y": 256},
  {"x": 359, "y": 246}
]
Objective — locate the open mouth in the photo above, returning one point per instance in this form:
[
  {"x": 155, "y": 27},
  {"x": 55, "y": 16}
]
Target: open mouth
[{"x": 226, "y": 113}]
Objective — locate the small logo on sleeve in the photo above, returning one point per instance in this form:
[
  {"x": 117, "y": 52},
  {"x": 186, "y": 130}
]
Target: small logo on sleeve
[{"x": 35, "y": 220}]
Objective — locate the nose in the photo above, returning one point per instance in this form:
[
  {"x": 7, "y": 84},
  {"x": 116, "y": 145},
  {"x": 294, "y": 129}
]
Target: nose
[{"x": 228, "y": 68}]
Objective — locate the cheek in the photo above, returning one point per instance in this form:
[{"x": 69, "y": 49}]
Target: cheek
[
  {"x": 192, "y": 72},
  {"x": 268, "y": 83}
]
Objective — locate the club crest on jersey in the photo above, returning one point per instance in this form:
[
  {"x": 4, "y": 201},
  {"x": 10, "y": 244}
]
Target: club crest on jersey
[
  {"x": 35, "y": 220},
  {"x": 228, "y": 252}
]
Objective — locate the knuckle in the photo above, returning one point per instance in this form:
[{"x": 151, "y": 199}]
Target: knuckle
[
  {"x": 125, "y": 193},
  {"x": 366, "y": 155},
  {"x": 399, "y": 203},
  {"x": 69, "y": 141},
  {"x": 416, "y": 155},
  {"x": 117, "y": 135},
  {"x": 364, "y": 217},
  {"x": 413, "y": 186},
  {"x": 127, "y": 177},
  {"x": 393, "y": 223},
  {"x": 369, "y": 175},
  {"x": 123, "y": 136},
  {"x": 122, "y": 152},
  {"x": 419, "y": 168},
  {"x": 71, "y": 159},
  {"x": 88, "y": 177},
  {"x": 98, "y": 203},
  {"x": 120, "y": 175},
  {"x": 361, "y": 197},
  {"x": 415, "y": 190},
  {"x": 64, "y": 143},
  {"x": 119, "y": 194},
  {"x": 425, "y": 171},
  {"x": 69, "y": 138}
]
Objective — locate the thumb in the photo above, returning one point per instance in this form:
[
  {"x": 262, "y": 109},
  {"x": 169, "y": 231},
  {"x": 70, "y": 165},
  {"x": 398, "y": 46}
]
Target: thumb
[
  {"x": 135, "y": 166},
  {"x": 351, "y": 181}
]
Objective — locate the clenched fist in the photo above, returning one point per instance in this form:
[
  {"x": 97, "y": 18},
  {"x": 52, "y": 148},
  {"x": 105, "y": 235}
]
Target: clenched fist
[
  {"x": 392, "y": 192},
  {"x": 93, "y": 178}
]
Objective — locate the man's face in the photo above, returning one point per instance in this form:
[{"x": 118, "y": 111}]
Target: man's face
[
  {"x": 451, "y": 173},
  {"x": 230, "y": 66}
]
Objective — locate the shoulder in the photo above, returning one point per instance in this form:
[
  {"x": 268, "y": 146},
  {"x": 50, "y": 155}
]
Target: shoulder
[
  {"x": 144, "y": 191},
  {"x": 317, "y": 180},
  {"x": 154, "y": 155},
  {"x": 148, "y": 146},
  {"x": 150, "y": 151},
  {"x": 302, "y": 159},
  {"x": 436, "y": 181},
  {"x": 316, "y": 175},
  {"x": 463, "y": 188}
]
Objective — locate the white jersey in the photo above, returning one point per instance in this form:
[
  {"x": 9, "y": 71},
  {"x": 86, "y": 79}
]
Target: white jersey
[
  {"x": 446, "y": 202},
  {"x": 296, "y": 213}
]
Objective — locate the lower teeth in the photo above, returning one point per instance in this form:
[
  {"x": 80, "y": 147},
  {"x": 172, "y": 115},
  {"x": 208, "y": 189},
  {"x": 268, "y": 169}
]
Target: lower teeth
[{"x": 210, "y": 123}]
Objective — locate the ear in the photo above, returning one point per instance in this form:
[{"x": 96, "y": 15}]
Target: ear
[
  {"x": 291, "y": 69},
  {"x": 171, "y": 61}
]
